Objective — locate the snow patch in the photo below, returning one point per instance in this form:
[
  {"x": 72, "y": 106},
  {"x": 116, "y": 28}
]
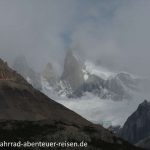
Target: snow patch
[
  {"x": 86, "y": 76},
  {"x": 97, "y": 70},
  {"x": 29, "y": 80}
]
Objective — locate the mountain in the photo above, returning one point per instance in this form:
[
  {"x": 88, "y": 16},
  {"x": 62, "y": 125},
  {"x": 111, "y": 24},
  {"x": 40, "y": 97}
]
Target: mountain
[
  {"x": 79, "y": 78},
  {"x": 22, "y": 67},
  {"x": 93, "y": 84},
  {"x": 115, "y": 87},
  {"x": 20, "y": 101},
  {"x": 28, "y": 115},
  {"x": 137, "y": 127},
  {"x": 72, "y": 73},
  {"x": 83, "y": 80},
  {"x": 100, "y": 82},
  {"x": 121, "y": 86}
]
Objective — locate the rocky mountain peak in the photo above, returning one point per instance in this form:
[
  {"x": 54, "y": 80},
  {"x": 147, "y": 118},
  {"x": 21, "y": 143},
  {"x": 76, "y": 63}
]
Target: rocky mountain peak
[
  {"x": 71, "y": 60},
  {"x": 136, "y": 127},
  {"x": 145, "y": 104},
  {"x": 72, "y": 70}
]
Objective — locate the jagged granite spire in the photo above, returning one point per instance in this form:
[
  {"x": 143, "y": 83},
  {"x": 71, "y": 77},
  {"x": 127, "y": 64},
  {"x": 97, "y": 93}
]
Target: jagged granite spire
[{"x": 72, "y": 70}]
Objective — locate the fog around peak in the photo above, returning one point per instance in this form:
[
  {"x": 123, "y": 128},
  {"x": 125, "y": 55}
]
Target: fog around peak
[{"x": 114, "y": 33}]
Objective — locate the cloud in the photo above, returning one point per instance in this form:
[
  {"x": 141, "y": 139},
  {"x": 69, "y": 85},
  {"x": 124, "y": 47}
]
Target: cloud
[
  {"x": 35, "y": 29},
  {"x": 102, "y": 111},
  {"x": 118, "y": 39},
  {"x": 114, "y": 33}
]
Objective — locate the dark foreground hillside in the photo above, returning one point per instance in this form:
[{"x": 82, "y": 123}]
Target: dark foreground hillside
[{"x": 47, "y": 131}]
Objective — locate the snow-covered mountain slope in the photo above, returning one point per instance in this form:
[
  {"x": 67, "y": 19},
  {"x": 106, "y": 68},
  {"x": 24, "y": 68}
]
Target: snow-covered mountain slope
[
  {"x": 92, "y": 69},
  {"x": 104, "y": 84},
  {"x": 98, "y": 110},
  {"x": 79, "y": 78},
  {"x": 103, "y": 97}
]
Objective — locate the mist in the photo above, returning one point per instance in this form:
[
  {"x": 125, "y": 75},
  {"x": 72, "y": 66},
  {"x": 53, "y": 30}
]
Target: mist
[
  {"x": 115, "y": 34},
  {"x": 102, "y": 111}
]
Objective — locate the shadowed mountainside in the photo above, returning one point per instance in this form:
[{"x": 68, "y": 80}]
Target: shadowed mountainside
[{"x": 137, "y": 128}]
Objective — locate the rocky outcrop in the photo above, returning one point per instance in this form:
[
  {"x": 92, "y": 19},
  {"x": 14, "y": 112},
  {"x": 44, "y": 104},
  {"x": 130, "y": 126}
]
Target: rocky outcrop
[
  {"x": 93, "y": 84},
  {"x": 121, "y": 85},
  {"x": 117, "y": 87},
  {"x": 72, "y": 73},
  {"x": 75, "y": 76},
  {"x": 137, "y": 126}
]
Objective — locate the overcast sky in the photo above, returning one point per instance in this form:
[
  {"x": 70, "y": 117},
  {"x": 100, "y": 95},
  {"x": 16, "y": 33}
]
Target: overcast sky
[{"x": 115, "y": 33}]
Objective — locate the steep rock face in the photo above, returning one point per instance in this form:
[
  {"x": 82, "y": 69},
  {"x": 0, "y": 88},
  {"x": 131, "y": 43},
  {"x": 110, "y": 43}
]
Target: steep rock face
[
  {"x": 137, "y": 126},
  {"x": 120, "y": 86},
  {"x": 22, "y": 67},
  {"x": 27, "y": 114},
  {"x": 128, "y": 80},
  {"x": 117, "y": 87},
  {"x": 79, "y": 79},
  {"x": 72, "y": 73},
  {"x": 93, "y": 84}
]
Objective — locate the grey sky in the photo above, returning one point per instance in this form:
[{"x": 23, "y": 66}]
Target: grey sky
[{"x": 116, "y": 33}]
